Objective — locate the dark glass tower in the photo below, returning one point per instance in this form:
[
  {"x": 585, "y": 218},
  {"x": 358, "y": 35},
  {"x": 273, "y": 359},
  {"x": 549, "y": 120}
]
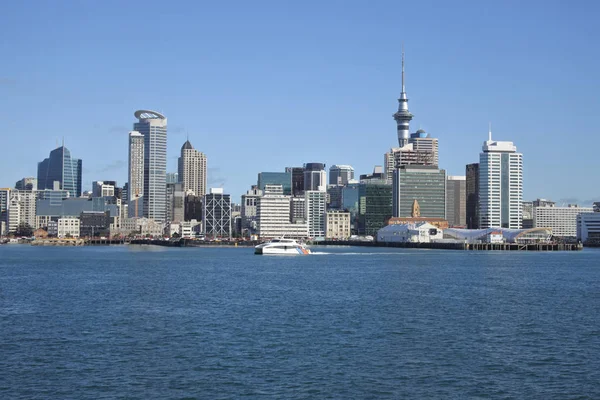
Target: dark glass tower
[{"x": 62, "y": 168}]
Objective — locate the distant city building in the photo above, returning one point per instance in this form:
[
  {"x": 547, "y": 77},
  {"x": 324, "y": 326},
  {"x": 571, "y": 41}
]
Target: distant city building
[
  {"x": 26, "y": 184},
  {"x": 527, "y": 221},
  {"x": 95, "y": 224},
  {"x": 456, "y": 201},
  {"x": 562, "y": 220},
  {"x": 316, "y": 203},
  {"x": 337, "y": 225},
  {"x": 298, "y": 210},
  {"x": 425, "y": 184},
  {"x": 153, "y": 126},
  {"x": 350, "y": 203},
  {"x": 175, "y": 203},
  {"x": 315, "y": 177},
  {"x": 374, "y": 206},
  {"x": 297, "y": 180},
  {"x": 60, "y": 171},
  {"x": 135, "y": 184},
  {"x": 334, "y": 197},
  {"x": 192, "y": 170},
  {"x": 68, "y": 227},
  {"x": 249, "y": 207},
  {"x": 21, "y": 209},
  {"x": 543, "y": 203},
  {"x": 276, "y": 178},
  {"x": 51, "y": 208},
  {"x": 172, "y": 177},
  {"x": 193, "y": 207},
  {"x": 216, "y": 214},
  {"x": 472, "y": 193},
  {"x": 378, "y": 176},
  {"x": 340, "y": 174},
  {"x": 4, "y": 200},
  {"x": 500, "y": 185},
  {"x": 273, "y": 215},
  {"x": 588, "y": 228},
  {"x": 103, "y": 188}
]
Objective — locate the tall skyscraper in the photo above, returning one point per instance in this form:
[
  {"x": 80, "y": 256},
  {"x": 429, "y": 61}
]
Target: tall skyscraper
[
  {"x": 472, "y": 193},
  {"x": 403, "y": 116},
  {"x": 192, "y": 169},
  {"x": 315, "y": 177},
  {"x": 135, "y": 187},
  {"x": 340, "y": 174},
  {"x": 456, "y": 201},
  {"x": 61, "y": 172},
  {"x": 500, "y": 185},
  {"x": 153, "y": 126}
]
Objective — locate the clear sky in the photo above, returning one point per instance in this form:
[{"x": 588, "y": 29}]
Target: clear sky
[{"x": 261, "y": 85}]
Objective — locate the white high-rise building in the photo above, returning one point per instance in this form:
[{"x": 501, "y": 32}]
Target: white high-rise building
[
  {"x": 135, "y": 188},
  {"x": 153, "y": 126},
  {"x": 273, "y": 215},
  {"x": 192, "y": 170},
  {"x": 500, "y": 185},
  {"x": 316, "y": 203},
  {"x": 562, "y": 220}
]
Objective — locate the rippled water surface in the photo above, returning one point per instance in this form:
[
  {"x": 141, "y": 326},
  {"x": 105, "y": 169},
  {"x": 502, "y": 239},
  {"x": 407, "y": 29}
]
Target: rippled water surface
[{"x": 142, "y": 322}]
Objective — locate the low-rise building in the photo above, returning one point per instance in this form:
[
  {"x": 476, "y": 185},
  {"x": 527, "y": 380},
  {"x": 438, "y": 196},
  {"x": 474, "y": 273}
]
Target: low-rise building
[
  {"x": 421, "y": 232},
  {"x": 68, "y": 227},
  {"x": 562, "y": 220},
  {"x": 337, "y": 225}
]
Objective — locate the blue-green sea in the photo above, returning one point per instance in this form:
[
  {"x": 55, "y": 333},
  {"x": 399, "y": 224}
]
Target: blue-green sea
[{"x": 142, "y": 322}]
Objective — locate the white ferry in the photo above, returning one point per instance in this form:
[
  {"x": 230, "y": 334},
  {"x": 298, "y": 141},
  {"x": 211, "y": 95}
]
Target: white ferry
[{"x": 281, "y": 246}]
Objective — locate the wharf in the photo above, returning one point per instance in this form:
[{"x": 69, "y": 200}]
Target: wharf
[
  {"x": 458, "y": 245},
  {"x": 57, "y": 242}
]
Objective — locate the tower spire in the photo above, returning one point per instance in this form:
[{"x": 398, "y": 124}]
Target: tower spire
[
  {"x": 490, "y": 132},
  {"x": 403, "y": 87},
  {"x": 403, "y": 116}
]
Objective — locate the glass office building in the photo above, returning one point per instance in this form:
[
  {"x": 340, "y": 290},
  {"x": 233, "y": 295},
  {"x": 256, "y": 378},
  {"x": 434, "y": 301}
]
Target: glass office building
[
  {"x": 276, "y": 178},
  {"x": 426, "y": 184},
  {"x": 61, "y": 168},
  {"x": 374, "y": 206}
]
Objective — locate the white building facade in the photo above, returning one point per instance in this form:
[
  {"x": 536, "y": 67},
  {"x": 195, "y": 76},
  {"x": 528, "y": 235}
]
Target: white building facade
[
  {"x": 273, "y": 216},
  {"x": 192, "y": 170},
  {"x": 337, "y": 225},
  {"x": 562, "y": 220},
  {"x": 67, "y": 227},
  {"x": 316, "y": 204},
  {"x": 500, "y": 185}
]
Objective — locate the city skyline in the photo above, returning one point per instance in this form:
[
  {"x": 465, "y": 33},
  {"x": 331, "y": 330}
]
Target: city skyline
[{"x": 344, "y": 87}]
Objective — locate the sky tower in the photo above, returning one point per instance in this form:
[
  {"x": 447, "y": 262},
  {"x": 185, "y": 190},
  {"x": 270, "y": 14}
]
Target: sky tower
[{"x": 403, "y": 116}]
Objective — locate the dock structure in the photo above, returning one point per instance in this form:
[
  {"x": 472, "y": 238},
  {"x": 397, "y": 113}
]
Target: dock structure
[{"x": 458, "y": 245}]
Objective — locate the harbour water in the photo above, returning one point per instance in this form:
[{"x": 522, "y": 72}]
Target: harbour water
[{"x": 141, "y": 322}]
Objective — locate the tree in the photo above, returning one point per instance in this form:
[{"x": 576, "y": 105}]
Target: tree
[
  {"x": 24, "y": 230},
  {"x": 175, "y": 235}
]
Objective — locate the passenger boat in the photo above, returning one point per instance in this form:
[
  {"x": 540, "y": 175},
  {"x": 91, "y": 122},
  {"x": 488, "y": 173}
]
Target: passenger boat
[{"x": 281, "y": 246}]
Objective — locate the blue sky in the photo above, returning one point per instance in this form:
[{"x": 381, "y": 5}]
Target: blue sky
[{"x": 262, "y": 85}]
